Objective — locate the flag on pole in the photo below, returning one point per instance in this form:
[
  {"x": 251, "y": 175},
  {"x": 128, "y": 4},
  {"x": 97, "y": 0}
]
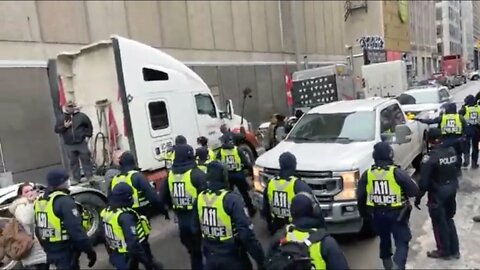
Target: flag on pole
[
  {"x": 288, "y": 86},
  {"x": 112, "y": 128},
  {"x": 61, "y": 93}
]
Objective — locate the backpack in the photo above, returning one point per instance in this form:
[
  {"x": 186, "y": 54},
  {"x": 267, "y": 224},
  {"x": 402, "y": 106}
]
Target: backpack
[
  {"x": 293, "y": 255},
  {"x": 17, "y": 242}
]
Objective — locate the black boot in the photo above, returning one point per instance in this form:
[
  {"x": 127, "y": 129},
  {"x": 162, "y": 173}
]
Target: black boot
[
  {"x": 387, "y": 264},
  {"x": 435, "y": 254},
  {"x": 474, "y": 165}
]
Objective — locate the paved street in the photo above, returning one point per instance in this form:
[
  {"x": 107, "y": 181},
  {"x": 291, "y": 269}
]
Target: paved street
[{"x": 361, "y": 254}]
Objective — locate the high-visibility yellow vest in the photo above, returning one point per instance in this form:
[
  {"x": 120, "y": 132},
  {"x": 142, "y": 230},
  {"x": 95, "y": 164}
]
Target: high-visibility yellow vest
[
  {"x": 182, "y": 191},
  {"x": 280, "y": 194},
  {"x": 231, "y": 159},
  {"x": 114, "y": 235},
  {"x": 451, "y": 124},
  {"x": 314, "y": 249},
  {"x": 383, "y": 189},
  {"x": 215, "y": 222},
  {"x": 49, "y": 226},
  {"x": 472, "y": 113},
  {"x": 139, "y": 199}
]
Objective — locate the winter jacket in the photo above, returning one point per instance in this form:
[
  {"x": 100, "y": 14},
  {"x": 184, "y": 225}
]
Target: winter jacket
[
  {"x": 22, "y": 210},
  {"x": 80, "y": 129}
]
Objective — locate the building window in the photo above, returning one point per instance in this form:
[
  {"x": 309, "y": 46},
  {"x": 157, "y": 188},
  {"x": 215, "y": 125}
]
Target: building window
[{"x": 158, "y": 115}]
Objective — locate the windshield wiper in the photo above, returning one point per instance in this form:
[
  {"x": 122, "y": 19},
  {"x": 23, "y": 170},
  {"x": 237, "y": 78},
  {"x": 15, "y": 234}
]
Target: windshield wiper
[
  {"x": 300, "y": 138},
  {"x": 335, "y": 138}
]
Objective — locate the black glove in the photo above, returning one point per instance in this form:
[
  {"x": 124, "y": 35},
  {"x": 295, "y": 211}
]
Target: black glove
[
  {"x": 418, "y": 200},
  {"x": 92, "y": 258}
]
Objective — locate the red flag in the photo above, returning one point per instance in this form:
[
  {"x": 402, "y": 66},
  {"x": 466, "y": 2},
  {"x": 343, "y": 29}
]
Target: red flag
[
  {"x": 112, "y": 129},
  {"x": 288, "y": 86},
  {"x": 61, "y": 93}
]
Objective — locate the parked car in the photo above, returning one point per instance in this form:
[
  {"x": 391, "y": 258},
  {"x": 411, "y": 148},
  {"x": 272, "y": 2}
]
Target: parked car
[{"x": 474, "y": 75}]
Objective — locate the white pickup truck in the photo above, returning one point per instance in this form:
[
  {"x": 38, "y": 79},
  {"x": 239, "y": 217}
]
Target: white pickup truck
[{"x": 333, "y": 144}]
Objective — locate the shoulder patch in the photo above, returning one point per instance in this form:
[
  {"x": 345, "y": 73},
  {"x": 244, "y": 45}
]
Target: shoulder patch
[
  {"x": 425, "y": 158},
  {"x": 75, "y": 212}
]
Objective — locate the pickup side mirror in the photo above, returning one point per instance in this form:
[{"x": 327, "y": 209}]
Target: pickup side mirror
[
  {"x": 229, "y": 109},
  {"x": 402, "y": 133}
]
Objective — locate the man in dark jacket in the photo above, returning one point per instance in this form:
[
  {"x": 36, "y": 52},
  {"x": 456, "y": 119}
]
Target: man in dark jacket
[
  {"x": 179, "y": 191},
  {"x": 170, "y": 154},
  {"x": 69, "y": 240},
  {"x": 471, "y": 113},
  {"x": 439, "y": 179},
  {"x": 285, "y": 183},
  {"x": 120, "y": 222},
  {"x": 382, "y": 194},
  {"x": 305, "y": 219},
  {"x": 75, "y": 127},
  {"x": 229, "y": 249},
  {"x": 146, "y": 200},
  {"x": 452, "y": 126},
  {"x": 236, "y": 163}
]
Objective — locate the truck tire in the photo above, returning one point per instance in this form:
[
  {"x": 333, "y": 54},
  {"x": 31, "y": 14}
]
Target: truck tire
[
  {"x": 92, "y": 204},
  {"x": 245, "y": 148},
  {"x": 367, "y": 229},
  {"x": 417, "y": 162},
  {"x": 475, "y": 77}
]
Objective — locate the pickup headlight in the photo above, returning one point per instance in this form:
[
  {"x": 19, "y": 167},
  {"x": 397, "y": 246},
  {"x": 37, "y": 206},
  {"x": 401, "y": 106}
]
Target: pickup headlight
[
  {"x": 258, "y": 182},
  {"x": 349, "y": 191}
]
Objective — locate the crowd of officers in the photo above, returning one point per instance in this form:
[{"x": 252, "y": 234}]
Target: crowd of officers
[{"x": 215, "y": 223}]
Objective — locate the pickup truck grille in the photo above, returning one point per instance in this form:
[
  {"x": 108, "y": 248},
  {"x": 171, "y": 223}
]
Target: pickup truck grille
[{"x": 323, "y": 184}]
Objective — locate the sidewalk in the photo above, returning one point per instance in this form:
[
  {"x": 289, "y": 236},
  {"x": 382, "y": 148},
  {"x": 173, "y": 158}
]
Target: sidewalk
[{"x": 468, "y": 205}]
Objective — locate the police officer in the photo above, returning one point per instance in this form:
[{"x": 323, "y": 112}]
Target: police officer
[
  {"x": 126, "y": 232},
  {"x": 439, "y": 179},
  {"x": 202, "y": 158},
  {"x": 144, "y": 195},
  {"x": 58, "y": 224},
  {"x": 308, "y": 223},
  {"x": 452, "y": 126},
  {"x": 183, "y": 184},
  {"x": 227, "y": 234},
  {"x": 471, "y": 112},
  {"x": 279, "y": 192},
  {"x": 382, "y": 195},
  {"x": 170, "y": 154},
  {"x": 203, "y": 143},
  {"x": 236, "y": 162}
]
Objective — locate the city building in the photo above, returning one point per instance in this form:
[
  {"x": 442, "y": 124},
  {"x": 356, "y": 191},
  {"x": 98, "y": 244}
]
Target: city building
[
  {"x": 230, "y": 44},
  {"x": 423, "y": 38},
  {"x": 467, "y": 32},
  {"x": 449, "y": 27},
  {"x": 476, "y": 32},
  {"x": 381, "y": 27}
]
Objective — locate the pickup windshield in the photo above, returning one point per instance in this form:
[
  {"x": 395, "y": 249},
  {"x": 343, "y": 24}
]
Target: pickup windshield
[{"x": 337, "y": 127}]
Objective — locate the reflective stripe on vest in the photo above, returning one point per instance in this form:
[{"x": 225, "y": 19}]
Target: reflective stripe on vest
[
  {"x": 451, "y": 124},
  {"x": 314, "y": 249},
  {"x": 211, "y": 155},
  {"x": 280, "y": 194},
  {"x": 382, "y": 188},
  {"x": 231, "y": 159},
  {"x": 139, "y": 198},
  {"x": 113, "y": 231},
  {"x": 49, "y": 226},
  {"x": 182, "y": 191},
  {"x": 471, "y": 114},
  {"x": 216, "y": 223}
]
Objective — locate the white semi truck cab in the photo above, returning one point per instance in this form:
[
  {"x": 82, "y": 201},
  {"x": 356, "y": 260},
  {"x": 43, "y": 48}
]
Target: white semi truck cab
[{"x": 333, "y": 145}]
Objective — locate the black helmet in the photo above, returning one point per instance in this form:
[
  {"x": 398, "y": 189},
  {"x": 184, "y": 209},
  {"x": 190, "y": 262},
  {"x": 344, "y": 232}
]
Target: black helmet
[{"x": 202, "y": 140}]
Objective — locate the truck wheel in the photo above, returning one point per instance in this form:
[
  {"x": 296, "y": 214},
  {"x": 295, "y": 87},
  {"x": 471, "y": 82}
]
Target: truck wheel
[
  {"x": 367, "y": 229},
  {"x": 249, "y": 154},
  {"x": 417, "y": 162},
  {"x": 92, "y": 204},
  {"x": 476, "y": 77}
]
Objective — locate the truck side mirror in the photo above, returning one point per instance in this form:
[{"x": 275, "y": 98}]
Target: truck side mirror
[
  {"x": 402, "y": 134},
  {"x": 229, "y": 109}
]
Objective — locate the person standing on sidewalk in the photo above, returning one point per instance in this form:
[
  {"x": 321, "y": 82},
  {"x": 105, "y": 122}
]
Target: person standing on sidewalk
[{"x": 75, "y": 127}]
